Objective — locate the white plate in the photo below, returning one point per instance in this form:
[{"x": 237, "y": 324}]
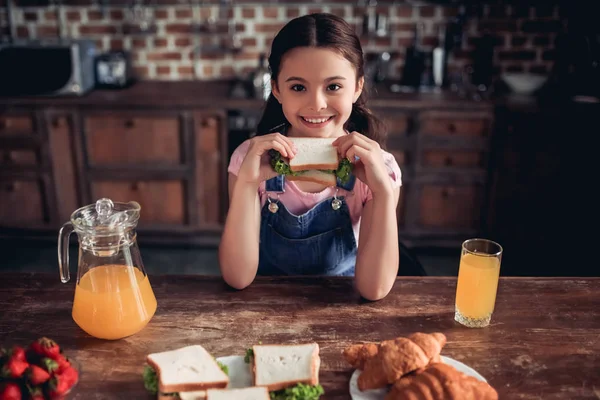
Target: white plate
[
  {"x": 239, "y": 377},
  {"x": 379, "y": 394}
]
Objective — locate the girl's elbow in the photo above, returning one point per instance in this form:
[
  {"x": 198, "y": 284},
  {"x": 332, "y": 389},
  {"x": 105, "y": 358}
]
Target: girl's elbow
[{"x": 374, "y": 293}]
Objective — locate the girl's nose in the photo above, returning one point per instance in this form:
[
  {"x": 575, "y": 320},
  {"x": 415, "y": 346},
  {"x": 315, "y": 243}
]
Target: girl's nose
[{"x": 317, "y": 102}]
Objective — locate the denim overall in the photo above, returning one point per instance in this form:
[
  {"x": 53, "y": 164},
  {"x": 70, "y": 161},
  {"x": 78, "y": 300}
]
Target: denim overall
[{"x": 319, "y": 242}]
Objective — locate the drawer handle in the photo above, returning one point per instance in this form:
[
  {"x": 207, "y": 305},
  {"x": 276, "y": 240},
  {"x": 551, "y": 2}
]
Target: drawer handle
[
  {"x": 129, "y": 124},
  {"x": 10, "y": 187},
  {"x": 448, "y": 161},
  {"x": 136, "y": 186},
  {"x": 56, "y": 122},
  {"x": 445, "y": 193},
  {"x": 451, "y": 128},
  {"x": 208, "y": 123},
  {"x": 8, "y": 157},
  {"x": 3, "y": 124}
]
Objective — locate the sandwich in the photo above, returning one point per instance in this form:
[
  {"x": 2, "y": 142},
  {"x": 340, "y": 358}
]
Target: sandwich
[
  {"x": 317, "y": 160},
  {"x": 287, "y": 371},
  {"x": 185, "y": 373}
]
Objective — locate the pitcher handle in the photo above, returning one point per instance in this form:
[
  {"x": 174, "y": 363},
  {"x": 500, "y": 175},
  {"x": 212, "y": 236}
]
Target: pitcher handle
[{"x": 63, "y": 251}]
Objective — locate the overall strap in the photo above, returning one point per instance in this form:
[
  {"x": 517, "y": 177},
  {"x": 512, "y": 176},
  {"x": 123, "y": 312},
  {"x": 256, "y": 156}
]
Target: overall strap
[{"x": 276, "y": 184}]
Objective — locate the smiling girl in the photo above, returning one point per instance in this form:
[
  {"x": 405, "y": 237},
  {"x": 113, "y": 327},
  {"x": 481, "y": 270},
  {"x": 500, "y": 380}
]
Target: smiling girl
[{"x": 316, "y": 65}]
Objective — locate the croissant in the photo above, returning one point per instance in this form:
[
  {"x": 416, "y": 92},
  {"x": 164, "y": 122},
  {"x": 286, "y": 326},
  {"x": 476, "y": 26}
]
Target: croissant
[
  {"x": 358, "y": 354},
  {"x": 441, "y": 382},
  {"x": 398, "y": 357}
]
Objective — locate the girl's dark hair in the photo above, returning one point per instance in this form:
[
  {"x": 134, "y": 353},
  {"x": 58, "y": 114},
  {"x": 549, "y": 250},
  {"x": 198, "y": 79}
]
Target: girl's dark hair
[{"x": 324, "y": 31}]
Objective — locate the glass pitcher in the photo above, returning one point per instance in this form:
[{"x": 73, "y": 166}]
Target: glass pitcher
[{"x": 113, "y": 296}]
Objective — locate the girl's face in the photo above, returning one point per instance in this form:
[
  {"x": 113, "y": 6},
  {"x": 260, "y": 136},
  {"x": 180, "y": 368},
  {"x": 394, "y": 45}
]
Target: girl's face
[{"x": 316, "y": 88}]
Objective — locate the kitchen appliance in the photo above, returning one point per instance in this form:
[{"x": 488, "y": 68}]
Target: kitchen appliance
[
  {"x": 47, "y": 68},
  {"x": 114, "y": 70}
]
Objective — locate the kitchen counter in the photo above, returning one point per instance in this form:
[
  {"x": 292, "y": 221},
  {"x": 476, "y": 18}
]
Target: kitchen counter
[
  {"x": 215, "y": 94},
  {"x": 543, "y": 343}
]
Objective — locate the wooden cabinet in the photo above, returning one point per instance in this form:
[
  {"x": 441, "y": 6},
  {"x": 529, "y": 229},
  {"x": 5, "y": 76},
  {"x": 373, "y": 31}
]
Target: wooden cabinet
[
  {"x": 443, "y": 155},
  {"x": 22, "y": 203}
]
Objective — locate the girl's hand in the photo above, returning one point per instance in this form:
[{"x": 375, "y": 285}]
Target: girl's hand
[
  {"x": 256, "y": 167},
  {"x": 370, "y": 166}
]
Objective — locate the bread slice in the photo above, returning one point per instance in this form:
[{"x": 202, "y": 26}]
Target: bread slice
[
  {"x": 280, "y": 366},
  {"x": 251, "y": 393},
  {"x": 187, "y": 369},
  {"x": 315, "y": 175},
  {"x": 197, "y": 395},
  {"x": 314, "y": 153}
]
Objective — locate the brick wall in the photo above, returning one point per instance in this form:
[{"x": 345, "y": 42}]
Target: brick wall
[{"x": 524, "y": 35}]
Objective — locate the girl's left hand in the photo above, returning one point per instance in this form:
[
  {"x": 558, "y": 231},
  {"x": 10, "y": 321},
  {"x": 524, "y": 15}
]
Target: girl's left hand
[{"x": 370, "y": 166}]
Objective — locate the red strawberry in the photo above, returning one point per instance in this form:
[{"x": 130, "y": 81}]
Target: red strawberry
[
  {"x": 35, "y": 393},
  {"x": 37, "y": 375},
  {"x": 62, "y": 362},
  {"x": 18, "y": 353},
  {"x": 14, "y": 368},
  {"x": 10, "y": 391},
  {"x": 45, "y": 347},
  {"x": 58, "y": 387},
  {"x": 49, "y": 364},
  {"x": 69, "y": 375}
]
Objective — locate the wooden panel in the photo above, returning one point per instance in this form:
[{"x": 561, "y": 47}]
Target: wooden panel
[
  {"x": 208, "y": 159},
  {"x": 133, "y": 139},
  {"x": 15, "y": 125},
  {"x": 63, "y": 167},
  {"x": 21, "y": 203},
  {"x": 400, "y": 156},
  {"x": 162, "y": 202},
  {"x": 20, "y": 157},
  {"x": 442, "y": 158},
  {"x": 449, "y": 206},
  {"x": 396, "y": 123},
  {"x": 401, "y": 208},
  {"x": 441, "y": 123}
]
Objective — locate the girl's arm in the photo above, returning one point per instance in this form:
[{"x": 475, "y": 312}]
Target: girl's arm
[
  {"x": 238, "y": 250},
  {"x": 378, "y": 254}
]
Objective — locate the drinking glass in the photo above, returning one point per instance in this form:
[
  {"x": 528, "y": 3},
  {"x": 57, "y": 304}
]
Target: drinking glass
[{"x": 478, "y": 275}]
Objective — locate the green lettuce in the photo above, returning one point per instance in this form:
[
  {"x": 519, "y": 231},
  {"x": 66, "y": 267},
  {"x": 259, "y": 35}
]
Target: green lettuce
[{"x": 299, "y": 392}]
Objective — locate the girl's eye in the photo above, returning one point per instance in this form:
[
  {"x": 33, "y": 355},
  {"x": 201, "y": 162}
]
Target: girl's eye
[
  {"x": 333, "y": 87},
  {"x": 298, "y": 88}
]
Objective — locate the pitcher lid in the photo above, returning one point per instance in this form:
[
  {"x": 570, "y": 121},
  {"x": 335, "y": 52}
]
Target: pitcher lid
[{"x": 106, "y": 216}]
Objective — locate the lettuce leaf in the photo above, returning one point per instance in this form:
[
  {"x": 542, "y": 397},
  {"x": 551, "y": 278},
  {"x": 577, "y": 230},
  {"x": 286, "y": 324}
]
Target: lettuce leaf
[
  {"x": 248, "y": 356},
  {"x": 224, "y": 368},
  {"x": 299, "y": 392}
]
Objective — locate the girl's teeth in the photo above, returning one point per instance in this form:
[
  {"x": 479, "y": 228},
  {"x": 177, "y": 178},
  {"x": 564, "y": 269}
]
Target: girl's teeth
[{"x": 316, "y": 120}]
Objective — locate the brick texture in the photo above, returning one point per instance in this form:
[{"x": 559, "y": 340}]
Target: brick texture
[{"x": 179, "y": 44}]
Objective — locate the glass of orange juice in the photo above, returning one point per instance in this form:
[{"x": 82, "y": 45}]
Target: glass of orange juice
[{"x": 478, "y": 275}]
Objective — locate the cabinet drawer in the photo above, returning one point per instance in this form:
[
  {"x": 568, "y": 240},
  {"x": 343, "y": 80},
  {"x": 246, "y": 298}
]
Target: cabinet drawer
[
  {"x": 18, "y": 158},
  {"x": 452, "y": 124},
  {"x": 21, "y": 203},
  {"x": 396, "y": 124},
  {"x": 447, "y": 206},
  {"x": 162, "y": 202},
  {"x": 15, "y": 125},
  {"x": 442, "y": 158},
  {"x": 125, "y": 139}
]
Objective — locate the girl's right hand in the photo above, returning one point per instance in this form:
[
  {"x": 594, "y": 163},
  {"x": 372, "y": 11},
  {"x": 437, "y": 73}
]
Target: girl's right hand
[{"x": 256, "y": 166}]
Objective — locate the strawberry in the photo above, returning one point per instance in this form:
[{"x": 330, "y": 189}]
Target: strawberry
[
  {"x": 37, "y": 375},
  {"x": 49, "y": 364},
  {"x": 45, "y": 347},
  {"x": 14, "y": 368},
  {"x": 35, "y": 393},
  {"x": 18, "y": 353},
  {"x": 69, "y": 375},
  {"x": 58, "y": 387},
  {"x": 10, "y": 391},
  {"x": 62, "y": 362}
]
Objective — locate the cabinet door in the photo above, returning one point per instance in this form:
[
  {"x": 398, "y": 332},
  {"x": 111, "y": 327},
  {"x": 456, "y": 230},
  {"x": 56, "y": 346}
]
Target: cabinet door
[
  {"x": 22, "y": 203},
  {"x": 129, "y": 138},
  {"x": 162, "y": 202},
  {"x": 444, "y": 123},
  {"x": 16, "y": 124},
  {"x": 210, "y": 167},
  {"x": 450, "y": 207}
]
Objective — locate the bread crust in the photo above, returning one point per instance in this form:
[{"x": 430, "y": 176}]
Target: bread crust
[
  {"x": 186, "y": 387},
  {"x": 324, "y": 179},
  {"x": 304, "y": 167}
]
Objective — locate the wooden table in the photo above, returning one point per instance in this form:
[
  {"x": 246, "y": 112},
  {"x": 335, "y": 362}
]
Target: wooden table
[{"x": 543, "y": 343}]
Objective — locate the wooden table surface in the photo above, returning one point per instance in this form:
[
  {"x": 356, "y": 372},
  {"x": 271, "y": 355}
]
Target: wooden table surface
[{"x": 543, "y": 343}]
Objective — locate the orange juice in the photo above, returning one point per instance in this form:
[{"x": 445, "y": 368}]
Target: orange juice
[
  {"x": 477, "y": 284},
  {"x": 113, "y": 301}
]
